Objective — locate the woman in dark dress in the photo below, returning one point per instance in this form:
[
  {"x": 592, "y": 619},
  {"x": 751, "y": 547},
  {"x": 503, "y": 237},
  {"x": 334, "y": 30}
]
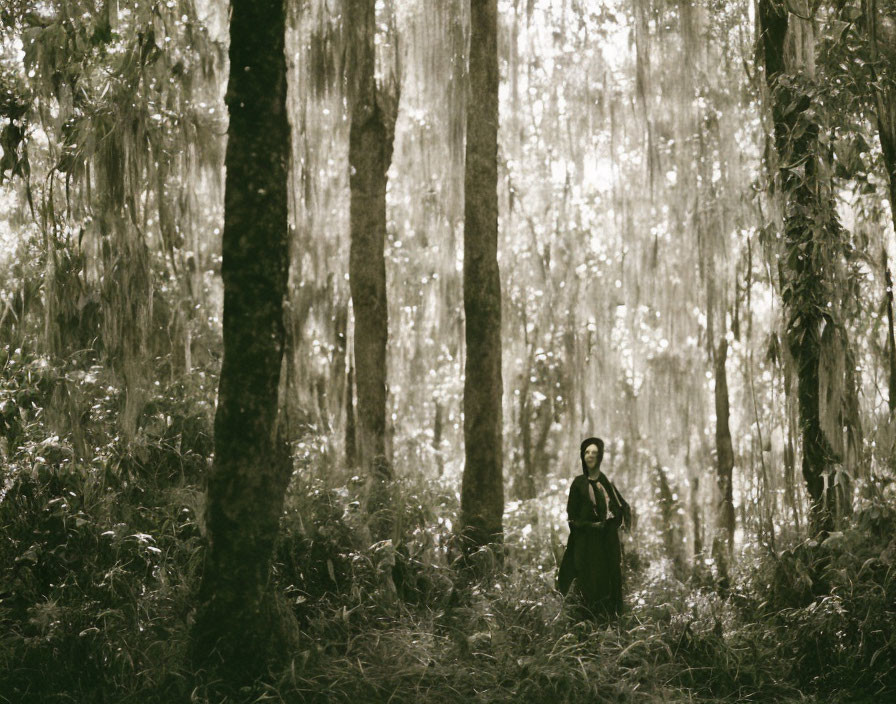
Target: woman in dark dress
[{"x": 593, "y": 558}]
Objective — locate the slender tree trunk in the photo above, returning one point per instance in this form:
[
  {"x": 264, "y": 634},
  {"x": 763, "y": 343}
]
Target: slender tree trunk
[
  {"x": 237, "y": 626},
  {"x": 370, "y": 153},
  {"x": 671, "y": 522},
  {"x": 544, "y": 419},
  {"x": 525, "y": 488},
  {"x": 524, "y": 485},
  {"x": 767, "y": 502},
  {"x": 482, "y": 492},
  {"x": 337, "y": 376},
  {"x": 694, "y": 498},
  {"x": 891, "y": 339},
  {"x": 723, "y": 544},
  {"x": 171, "y": 239},
  {"x": 351, "y": 444},
  {"x": 724, "y": 518},
  {"x": 696, "y": 523},
  {"x": 437, "y": 424},
  {"x": 790, "y": 462}
]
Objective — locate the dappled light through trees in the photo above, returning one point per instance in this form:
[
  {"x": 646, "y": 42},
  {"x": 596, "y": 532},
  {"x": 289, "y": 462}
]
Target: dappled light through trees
[{"x": 306, "y": 307}]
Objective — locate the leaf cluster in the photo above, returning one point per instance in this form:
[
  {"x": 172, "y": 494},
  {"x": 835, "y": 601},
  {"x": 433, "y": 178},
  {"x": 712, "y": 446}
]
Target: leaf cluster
[{"x": 99, "y": 540}]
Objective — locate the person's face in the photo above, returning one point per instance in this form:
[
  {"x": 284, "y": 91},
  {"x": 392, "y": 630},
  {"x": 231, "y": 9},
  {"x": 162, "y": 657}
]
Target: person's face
[{"x": 591, "y": 456}]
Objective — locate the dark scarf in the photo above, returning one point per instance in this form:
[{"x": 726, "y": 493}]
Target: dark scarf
[{"x": 612, "y": 493}]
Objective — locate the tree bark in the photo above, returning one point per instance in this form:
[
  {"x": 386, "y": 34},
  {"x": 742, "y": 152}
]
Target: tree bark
[
  {"x": 237, "y": 626},
  {"x": 696, "y": 524},
  {"x": 525, "y": 488},
  {"x": 673, "y": 533},
  {"x": 482, "y": 492},
  {"x": 790, "y": 459},
  {"x": 544, "y": 417},
  {"x": 723, "y": 543},
  {"x": 891, "y": 339},
  {"x": 337, "y": 376},
  {"x": 788, "y": 52},
  {"x": 884, "y": 82},
  {"x": 370, "y": 153},
  {"x": 437, "y": 438},
  {"x": 351, "y": 446}
]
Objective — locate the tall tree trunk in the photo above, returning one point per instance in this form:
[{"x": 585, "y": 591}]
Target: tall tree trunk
[
  {"x": 724, "y": 518},
  {"x": 723, "y": 542},
  {"x": 788, "y": 52},
  {"x": 696, "y": 512},
  {"x": 883, "y": 79},
  {"x": 370, "y": 153},
  {"x": 884, "y": 82},
  {"x": 236, "y": 626},
  {"x": 482, "y": 492}
]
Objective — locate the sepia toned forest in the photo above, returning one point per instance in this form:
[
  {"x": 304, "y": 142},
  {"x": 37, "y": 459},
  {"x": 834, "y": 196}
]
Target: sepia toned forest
[{"x": 306, "y": 306}]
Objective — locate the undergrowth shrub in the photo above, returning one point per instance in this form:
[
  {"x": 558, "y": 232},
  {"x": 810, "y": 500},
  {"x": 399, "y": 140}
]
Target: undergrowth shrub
[
  {"x": 326, "y": 556},
  {"x": 98, "y": 550},
  {"x": 831, "y": 604},
  {"x": 89, "y": 599},
  {"x": 100, "y": 547}
]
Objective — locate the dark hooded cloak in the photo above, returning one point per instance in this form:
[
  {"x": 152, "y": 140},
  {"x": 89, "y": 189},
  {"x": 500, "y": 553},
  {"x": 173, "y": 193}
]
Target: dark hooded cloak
[{"x": 593, "y": 557}]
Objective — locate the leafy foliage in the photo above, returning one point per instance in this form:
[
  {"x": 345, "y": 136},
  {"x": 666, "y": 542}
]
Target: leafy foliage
[
  {"x": 100, "y": 553},
  {"x": 100, "y": 548}
]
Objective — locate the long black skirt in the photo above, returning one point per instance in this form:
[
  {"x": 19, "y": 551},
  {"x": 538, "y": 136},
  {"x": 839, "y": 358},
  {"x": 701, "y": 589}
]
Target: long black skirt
[{"x": 593, "y": 560}]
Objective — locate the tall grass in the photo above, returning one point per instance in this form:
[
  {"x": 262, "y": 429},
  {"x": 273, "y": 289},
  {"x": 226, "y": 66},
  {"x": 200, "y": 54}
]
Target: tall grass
[{"x": 99, "y": 555}]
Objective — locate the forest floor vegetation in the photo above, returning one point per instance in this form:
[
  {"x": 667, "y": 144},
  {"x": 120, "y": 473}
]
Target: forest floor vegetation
[{"x": 101, "y": 546}]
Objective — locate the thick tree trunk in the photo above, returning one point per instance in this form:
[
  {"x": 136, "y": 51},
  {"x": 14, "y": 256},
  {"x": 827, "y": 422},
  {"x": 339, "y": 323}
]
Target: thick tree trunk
[
  {"x": 482, "y": 493},
  {"x": 883, "y": 64},
  {"x": 886, "y": 123},
  {"x": 883, "y": 79},
  {"x": 236, "y": 626},
  {"x": 788, "y": 51},
  {"x": 723, "y": 542},
  {"x": 370, "y": 153}
]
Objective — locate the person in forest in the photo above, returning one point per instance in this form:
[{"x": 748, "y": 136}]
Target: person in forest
[{"x": 593, "y": 557}]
